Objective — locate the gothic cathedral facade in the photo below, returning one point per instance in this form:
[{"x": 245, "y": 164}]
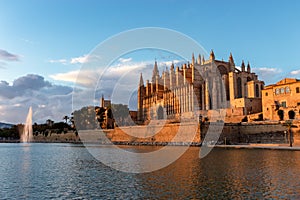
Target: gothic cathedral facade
[{"x": 198, "y": 87}]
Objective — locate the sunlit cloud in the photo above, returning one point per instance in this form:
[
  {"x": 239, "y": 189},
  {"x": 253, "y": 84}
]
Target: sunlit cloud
[{"x": 70, "y": 76}]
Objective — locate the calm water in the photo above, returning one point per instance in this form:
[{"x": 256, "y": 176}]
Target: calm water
[{"x": 67, "y": 171}]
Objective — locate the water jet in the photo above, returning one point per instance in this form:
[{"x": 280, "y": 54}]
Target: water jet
[{"x": 27, "y": 130}]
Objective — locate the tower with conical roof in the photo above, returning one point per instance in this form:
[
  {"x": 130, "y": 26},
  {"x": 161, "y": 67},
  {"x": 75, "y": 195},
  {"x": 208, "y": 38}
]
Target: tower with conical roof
[
  {"x": 193, "y": 59},
  {"x": 248, "y": 68},
  {"x": 231, "y": 62},
  {"x": 212, "y": 55},
  {"x": 243, "y": 66},
  {"x": 141, "y": 94},
  {"x": 199, "y": 59},
  {"x": 155, "y": 72}
]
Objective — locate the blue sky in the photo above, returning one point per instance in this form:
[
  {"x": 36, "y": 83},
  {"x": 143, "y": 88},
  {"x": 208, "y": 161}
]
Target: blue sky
[{"x": 50, "y": 38}]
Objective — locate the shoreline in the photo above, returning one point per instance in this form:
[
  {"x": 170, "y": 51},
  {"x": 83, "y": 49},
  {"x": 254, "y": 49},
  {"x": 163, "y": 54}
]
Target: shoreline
[
  {"x": 259, "y": 146},
  {"x": 235, "y": 146}
]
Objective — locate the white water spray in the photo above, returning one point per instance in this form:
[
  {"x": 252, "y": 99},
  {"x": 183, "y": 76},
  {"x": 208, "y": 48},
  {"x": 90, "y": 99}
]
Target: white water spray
[{"x": 27, "y": 131}]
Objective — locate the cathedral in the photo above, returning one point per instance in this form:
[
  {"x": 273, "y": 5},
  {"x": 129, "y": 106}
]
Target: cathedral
[{"x": 198, "y": 87}]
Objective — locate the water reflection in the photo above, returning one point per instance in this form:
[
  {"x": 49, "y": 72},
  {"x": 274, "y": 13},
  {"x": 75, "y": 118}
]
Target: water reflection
[
  {"x": 64, "y": 171},
  {"x": 228, "y": 174}
]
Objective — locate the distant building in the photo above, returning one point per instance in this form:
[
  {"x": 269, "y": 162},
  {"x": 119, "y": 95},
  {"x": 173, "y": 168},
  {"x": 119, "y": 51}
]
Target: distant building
[
  {"x": 281, "y": 101},
  {"x": 105, "y": 103},
  {"x": 194, "y": 89},
  {"x": 104, "y": 114}
]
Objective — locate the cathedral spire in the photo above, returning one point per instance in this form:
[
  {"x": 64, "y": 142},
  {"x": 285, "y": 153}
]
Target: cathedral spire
[
  {"x": 248, "y": 67},
  {"x": 199, "y": 59},
  {"x": 172, "y": 66},
  {"x": 231, "y": 58},
  {"x": 212, "y": 55},
  {"x": 155, "y": 72},
  {"x": 203, "y": 60},
  {"x": 141, "y": 80},
  {"x": 243, "y": 66},
  {"x": 193, "y": 59}
]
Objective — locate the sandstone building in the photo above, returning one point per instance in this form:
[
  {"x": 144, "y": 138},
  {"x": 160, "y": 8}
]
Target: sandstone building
[
  {"x": 281, "y": 101},
  {"x": 198, "y": 87}
]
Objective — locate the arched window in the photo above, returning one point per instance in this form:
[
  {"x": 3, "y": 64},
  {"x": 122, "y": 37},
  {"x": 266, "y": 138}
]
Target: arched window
[
  {"x": 222, "y": 69},
  {"x": 160, "y": 113},
  {"x": 256, "y": 90},
  {"x": 291, "y": 114},
  {"x": 239, "y": 87}
]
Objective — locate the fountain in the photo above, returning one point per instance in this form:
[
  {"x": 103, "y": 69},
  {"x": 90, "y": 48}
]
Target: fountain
[{"x": 27, "y": 130}]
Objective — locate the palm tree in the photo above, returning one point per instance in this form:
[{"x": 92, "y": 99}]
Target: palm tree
[
  {"x": 72, "y": 120},
  {"x": 289, "y": 125},
  {"x": 66, "y": 118}
]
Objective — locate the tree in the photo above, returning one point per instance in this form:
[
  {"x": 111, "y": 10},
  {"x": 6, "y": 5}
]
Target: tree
[
  {"x": 66, "y": 118},
  {"x": 120, "y": 113},
  {"x": 49, "y": 122},
  {"x": 72, "y": 121},
  {"x": 85, "y": 118},
  {"x": 289, "y": 125}
]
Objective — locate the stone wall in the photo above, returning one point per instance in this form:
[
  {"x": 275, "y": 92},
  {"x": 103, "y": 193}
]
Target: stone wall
[
  {"x": 174, "y": 133},
  {"x": 189, "y": 133},
  {"x": 261, "y": 132}
]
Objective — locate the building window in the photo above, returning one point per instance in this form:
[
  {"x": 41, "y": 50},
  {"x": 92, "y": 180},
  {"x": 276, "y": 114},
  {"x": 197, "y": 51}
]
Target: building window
[
  {"x": 239, "y": 87},
  {"x": 281, "y": 90},
  {"x": 277, "y": 91},
  {"x": 257, "y": 90},
  {"x": 297, "y": 90},
  {"x": 298, "y": 104},
  {"x": 266, "y": 94},
  {"x": 283, "y": 104},
  {"x": 287, "y": 89}
]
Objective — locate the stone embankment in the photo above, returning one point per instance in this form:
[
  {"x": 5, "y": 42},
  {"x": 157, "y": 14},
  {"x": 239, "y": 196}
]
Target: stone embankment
[{"x": 187, "y": 133}]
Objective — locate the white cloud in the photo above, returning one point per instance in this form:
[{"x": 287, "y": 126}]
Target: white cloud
[
  {"x": 295, "y": 72},
  {"x": 118, "y": 82},
  {"x": 80, "y": 59},
  {"x": 268, "y": 74},
  {"x": 124, "y": 60},
  {"x": 62, "y": 61},
  {"x": 86, "y": 78},
  {"x": 89, "y": 77},
  {"x": 169, "y": 63},
  {"x": 76, "y": 60},
  {"x": 267, "y": 70},
  {"x": 70, "y": 76}
]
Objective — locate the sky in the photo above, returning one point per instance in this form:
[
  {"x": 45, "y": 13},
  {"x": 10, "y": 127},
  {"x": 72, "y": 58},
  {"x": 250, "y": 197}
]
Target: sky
[{"x": 43, "y": 44}]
